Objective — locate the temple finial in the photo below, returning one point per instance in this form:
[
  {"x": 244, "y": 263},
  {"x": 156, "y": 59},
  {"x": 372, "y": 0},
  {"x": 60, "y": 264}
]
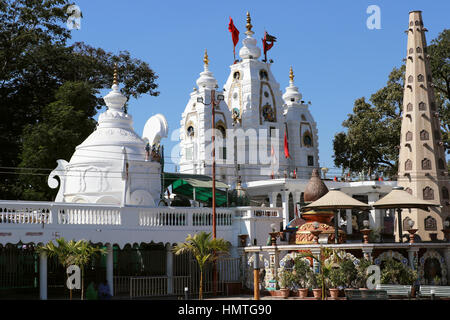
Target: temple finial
[
  {"x": 249, "y": 24},
  {"x": 291, "y": 74},
  {"x": 115, "y": 81},
  {"x": 205, "y": 58}
]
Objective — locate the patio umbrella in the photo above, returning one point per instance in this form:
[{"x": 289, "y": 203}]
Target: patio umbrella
[
  {"x": 400, "y": 199},
  {"x": 336, "y": 200}
]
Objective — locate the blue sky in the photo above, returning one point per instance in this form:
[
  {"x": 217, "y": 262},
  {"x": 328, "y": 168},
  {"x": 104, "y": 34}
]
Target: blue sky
[{"x": 336, "y": 58}]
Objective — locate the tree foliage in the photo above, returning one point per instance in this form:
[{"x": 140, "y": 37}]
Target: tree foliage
[
  {"x": 371, "y": 140},
  {"x": 35, "y": 61},
  {"x": 204, "y": 250}
]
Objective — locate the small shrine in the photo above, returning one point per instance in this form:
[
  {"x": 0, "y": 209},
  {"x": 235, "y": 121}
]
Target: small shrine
[{"x": 318, "y": 223}]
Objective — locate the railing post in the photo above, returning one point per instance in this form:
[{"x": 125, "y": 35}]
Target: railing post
[{"x": 110, "y": 267}]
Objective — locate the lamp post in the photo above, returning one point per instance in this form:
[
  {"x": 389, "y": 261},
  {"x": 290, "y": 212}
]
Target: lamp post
[{"x": 213, "y": 104}]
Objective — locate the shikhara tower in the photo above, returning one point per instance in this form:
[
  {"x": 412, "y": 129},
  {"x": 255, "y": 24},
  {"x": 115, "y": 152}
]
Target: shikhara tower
[
  {"x": 255, "y": 106},
  {"x": 422, "y": 165}
]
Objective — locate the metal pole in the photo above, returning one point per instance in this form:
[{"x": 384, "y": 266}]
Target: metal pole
[
  {"x": 213, "y": 138},
  {"x": 400, "y": 231},
  {"x": 256, "y": 277}
]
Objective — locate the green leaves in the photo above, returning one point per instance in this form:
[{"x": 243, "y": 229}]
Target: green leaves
[{"x": 372, "y": 136}]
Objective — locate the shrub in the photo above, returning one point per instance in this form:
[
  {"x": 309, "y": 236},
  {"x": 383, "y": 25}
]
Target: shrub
[{"x": 395, "y": 272}]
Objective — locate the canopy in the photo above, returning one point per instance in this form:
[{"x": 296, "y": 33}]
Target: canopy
[
  {"x": 186, "y": 183},
  {"x": 399, "y": 198},
  {"x": 336, "y": 199}
]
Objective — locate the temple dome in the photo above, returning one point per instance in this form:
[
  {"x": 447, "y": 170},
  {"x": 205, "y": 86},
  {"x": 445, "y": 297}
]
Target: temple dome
[{"x": 315, "y": 189}]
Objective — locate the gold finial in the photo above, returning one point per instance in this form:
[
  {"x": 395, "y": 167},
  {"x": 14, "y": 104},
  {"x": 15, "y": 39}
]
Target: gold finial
[
  {"x": 115, "y": 74},
  {"x": 205, "y": 58},
  {"x": 249, "y": 24},
  {"x": 291, "y": 74}
]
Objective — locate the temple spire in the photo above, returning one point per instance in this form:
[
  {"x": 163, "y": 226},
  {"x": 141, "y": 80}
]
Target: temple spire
[
  {"x": 206, "y": 60},
  {"x": 249, "y": 25},
  {"x": 422, "y": 169},
  {"x": 115, "y": 81},
  {"x": 291, "y": 76}
]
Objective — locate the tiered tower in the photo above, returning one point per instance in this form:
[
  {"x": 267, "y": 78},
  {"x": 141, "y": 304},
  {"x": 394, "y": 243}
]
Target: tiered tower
[{"x": 422, "y": 165}]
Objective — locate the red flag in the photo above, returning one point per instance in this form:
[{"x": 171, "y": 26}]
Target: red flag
[
  {"x": 295, "y": 173},
  {"x": 234, "y": 34},
  {"x": 266, "y": 45},
  {"x": 286, "y": 146}
]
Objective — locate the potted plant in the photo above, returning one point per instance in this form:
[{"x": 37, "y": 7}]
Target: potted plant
[
  {"x": 286, "y": 280},
  {"x": 302, "y": 275}
]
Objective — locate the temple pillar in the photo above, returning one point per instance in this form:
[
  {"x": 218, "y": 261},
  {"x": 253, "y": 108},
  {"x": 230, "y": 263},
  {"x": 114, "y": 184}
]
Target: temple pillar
[
  {"x": 274, "y": 263},
  {"x": 169, "y": 268},
  {"x": 110, "y": 267},
  {"x": 348, "y": 218},
  {"x": 374, "y": 216},
  {"x": 316, "y": 265},
  {"x": 43, "y": 275},
  {"x": 284, "y": 199}
]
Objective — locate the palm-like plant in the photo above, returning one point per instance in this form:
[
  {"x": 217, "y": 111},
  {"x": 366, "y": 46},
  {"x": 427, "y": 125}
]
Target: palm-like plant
[
  {"x": 72, "y": 253},
  {"x": 204, "y": 249}
]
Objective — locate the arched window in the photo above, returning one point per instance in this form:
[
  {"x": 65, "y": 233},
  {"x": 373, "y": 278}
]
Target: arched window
[
  {"x": 237, "y": 75},
  {"x": 411, "y": 50},
  {"x": 409, "y": 107},
  {"x": 430, "y": 223},
  {"x": 279, "y": 203},
  {"x": 406, "y": 225},
  {"x": 411, "y": 23},
  {"x": 190, "y": 131},
  {"x": 417, "y": 22},
  {"x": 409, "y": 136},
  {"x": 428, "y": 193},
  {"x": 291, "y": 207},
  {"x": 263, "y": 75},
  {"x": 422, "y": 106},
  {"x": 424, "y": 135},
  {"x": 419, "y": 50},
  {"x": 444, "y": 193},
  {"x": 410, "y": 79},
  {"x": 307, "y": 140},
  {"x": 426, "y": 164},
  {"x": 408, "y": 165},
  {"x": 420, "y": 78}
]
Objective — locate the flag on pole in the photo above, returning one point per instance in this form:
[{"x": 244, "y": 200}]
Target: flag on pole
[
  {"x": 286, "y": 146},
  {"x": 272, "y": 156},
  {"x": 295, "y": 173},
  {"x": 234, "y": 35},
  {"x": 268, "y": 42}
]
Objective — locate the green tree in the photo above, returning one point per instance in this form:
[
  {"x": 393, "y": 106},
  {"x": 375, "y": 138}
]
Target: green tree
[
  {"x": 204, "y": 250},
  {"x": 65, "y": 122},
  {"x": 71, "y": 253},
  {"x": 35, "y": 62},
  {"x": 370, "y": 142}
]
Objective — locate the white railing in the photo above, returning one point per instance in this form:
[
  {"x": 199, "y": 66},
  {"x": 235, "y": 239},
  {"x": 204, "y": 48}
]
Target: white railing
[
  {"x": 258, "y": 212},
  {"x": 52, "y": 213}
]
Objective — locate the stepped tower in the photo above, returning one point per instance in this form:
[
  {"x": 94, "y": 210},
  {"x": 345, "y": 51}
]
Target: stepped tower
[{"x": 422, "y": 165}]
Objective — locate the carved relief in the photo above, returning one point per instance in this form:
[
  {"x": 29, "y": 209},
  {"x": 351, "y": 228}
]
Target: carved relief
[
  {"x": 428, "y": 193},
  {"x": 411, "y": 50},
  {"x": 419, "y": 50},
  {"x": 267, "y": 106},
  {"x": 426, "y": 164},
  {"x": 409, "y": 107},
  {"x": 422, "y": 106},
  {"x": 430, "y": 224},
  {"x": 420, "y": 78},
  {"x": 409, "y": 190},
  {"x": 424, "y": 135},
  {"x": 410, "y": 79},
  {"x": 408, "y": 165}
]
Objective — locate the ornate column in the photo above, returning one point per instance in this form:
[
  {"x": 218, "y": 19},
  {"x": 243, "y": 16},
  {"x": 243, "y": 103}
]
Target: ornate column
[
  {"x": 274, "y": 262},
  {"x": 43, "y": 276},
  {"x": 169, "y": 268},
  {"x": 367, "y": 252},
  {"x": 110, "y": 267},
  {"x": 316, "y": 264}
]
